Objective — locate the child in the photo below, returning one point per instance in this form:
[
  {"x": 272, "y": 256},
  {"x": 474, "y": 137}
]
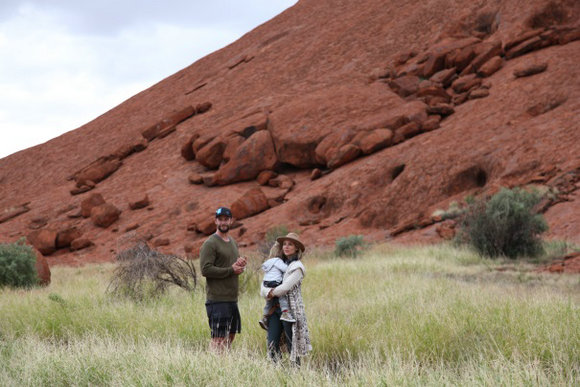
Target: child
[{"x": 274, "y": 269}]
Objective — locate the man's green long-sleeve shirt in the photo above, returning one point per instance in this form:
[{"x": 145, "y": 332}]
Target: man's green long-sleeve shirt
[{"x": 216, "y": 260}]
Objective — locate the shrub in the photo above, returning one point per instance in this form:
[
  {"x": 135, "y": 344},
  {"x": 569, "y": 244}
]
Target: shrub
[
  {"x": 349, "y": 246},
  {"x": 270, "y": 237},
  {"x": 17, "y": 265},
  {"x": 505, "y": 225},
  {"x": 144, "y": 273}
]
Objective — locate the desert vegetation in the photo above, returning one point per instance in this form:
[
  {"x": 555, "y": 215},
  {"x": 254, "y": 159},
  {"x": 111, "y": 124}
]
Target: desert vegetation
[{"x": 392, "y": 316}]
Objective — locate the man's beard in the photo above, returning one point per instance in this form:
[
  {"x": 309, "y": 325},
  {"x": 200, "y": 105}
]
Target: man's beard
[{"x": 224, "y": 228}]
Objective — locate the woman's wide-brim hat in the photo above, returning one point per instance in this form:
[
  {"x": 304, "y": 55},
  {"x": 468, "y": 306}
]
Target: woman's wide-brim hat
[{"x": 294, "y": 238}]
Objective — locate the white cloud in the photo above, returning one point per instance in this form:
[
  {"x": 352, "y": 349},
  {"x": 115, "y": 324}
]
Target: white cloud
[{"x": 66, "y": 62}]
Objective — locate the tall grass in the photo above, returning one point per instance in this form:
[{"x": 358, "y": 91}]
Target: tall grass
[{"x": 420, "y": 316}]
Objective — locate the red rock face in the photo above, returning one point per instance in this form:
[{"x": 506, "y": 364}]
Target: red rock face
[{"x": 411, "y": 105}]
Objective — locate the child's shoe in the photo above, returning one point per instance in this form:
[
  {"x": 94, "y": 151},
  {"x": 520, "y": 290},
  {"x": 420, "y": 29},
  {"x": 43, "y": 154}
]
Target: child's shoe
[
  {"x": 286, "y": 316},
  {"x": 264, "y": 323}
]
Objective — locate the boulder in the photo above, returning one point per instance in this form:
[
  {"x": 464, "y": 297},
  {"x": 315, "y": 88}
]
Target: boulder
[
  {"x": 522, "y": 38},
  {"x": 478, "y": 93},
  {"x": 331, "y": 143},
  {"x": 81, "y": 243},
  {"x": 530, "y": 69},
  {"x": 232, "y": 144},
  {"x": 265, "y": 176},
  {"x": 211, "y": 155},
  {"x": 375, "y": 140},
  {"x": 250, "y": 203},
  {"x": 43, "y": 240},
  {"x": 434, "y": 91},
  {"x": 82, "y": 187},
  {"x": 434, "y": 63},
  {"x": 526, "y": 46},
  {"x": 465, "y": 83},
  {"x": 89, "y": 203},
  {"x": 105, "y": 215},
  {"x": 203, "y": 107},
  {"x": 187, "y": 148},
  {"x": 161, "y": 242},
  {"x": 461, "y": 58},
  {"x": 200, "y": 142},
  {"x": 405, "y": 85},
  {"x": 442, "y": 109},
  {"x": 445, "y": 77},
  {"x": 195, "y": 178},
  {"x": 345, "y": 154},
  {"x": 281, "y": 181},
  {"x": 126, "y": 150},
  {"x": 42, "y": 269},
  {"x": 431, "y": 123},
  {"x": 487, "y": 50},
  {"x": 252, "y": 157},
  {"x": 315, "y": 174},
  {"x": 98, "y": 170},
  {"x": 490, "y": 67},
  {"x": 141, "y": 203},
  {"x": 66, "y": 236},
  {"x": 206, "y": 226},
  {"x": 410, "y": 130},
  {"x": 167, "y": 124}
]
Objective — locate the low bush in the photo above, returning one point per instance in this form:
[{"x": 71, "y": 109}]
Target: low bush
[
  {"x": 17, "y": 265},
  {"x": 143, "y": 273},
  {"x": 505, "y": 225},
  {"x": 349, "y": 246}
]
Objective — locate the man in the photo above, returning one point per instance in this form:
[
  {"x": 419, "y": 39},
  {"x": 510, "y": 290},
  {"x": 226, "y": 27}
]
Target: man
[{"x": 221, "y": 265}]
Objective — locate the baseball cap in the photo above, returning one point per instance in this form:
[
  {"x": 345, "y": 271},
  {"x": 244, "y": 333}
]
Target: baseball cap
[{"x": 223, "y": 211}]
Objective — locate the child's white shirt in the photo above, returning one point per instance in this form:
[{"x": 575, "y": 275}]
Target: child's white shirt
[{"x": 274, "y": 269}]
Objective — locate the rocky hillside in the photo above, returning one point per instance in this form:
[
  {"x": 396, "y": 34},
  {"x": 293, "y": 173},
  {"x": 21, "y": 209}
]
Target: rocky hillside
[{"x": 337, "y": 117}]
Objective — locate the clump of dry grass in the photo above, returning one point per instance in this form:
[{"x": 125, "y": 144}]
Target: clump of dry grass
[{"x": 145, "y": 273}]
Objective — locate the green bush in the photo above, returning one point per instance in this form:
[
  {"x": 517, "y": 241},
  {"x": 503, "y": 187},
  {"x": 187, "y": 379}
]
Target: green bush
[
  {"x": 349, "y": 246},
  {"x": 17, "y": 265},
  {"x": 505, "y": 225}
]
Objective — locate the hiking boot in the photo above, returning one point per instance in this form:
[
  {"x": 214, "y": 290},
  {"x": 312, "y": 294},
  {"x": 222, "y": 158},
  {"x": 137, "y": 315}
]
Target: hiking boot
[
  {"x": 286, "y": 316},
  {"x": 264, "y": 323}
]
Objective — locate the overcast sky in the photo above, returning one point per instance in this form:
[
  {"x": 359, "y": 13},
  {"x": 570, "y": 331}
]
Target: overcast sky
[{"x": 65, "y": 62}]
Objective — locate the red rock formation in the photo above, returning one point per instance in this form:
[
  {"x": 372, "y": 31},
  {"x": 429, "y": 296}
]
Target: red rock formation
[{"x": 319, "y": 70}]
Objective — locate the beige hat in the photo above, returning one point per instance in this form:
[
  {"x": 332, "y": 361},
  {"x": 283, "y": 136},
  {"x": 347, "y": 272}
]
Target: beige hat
[{"x": 292, "y": 237}]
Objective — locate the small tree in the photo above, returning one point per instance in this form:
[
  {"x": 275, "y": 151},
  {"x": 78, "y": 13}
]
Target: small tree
[
  {"x": 145, "y": 273},
  {"x": 507, "y": 224},
  {"x": 17, "y": 265},
  {"x": 349, "y": 246}
]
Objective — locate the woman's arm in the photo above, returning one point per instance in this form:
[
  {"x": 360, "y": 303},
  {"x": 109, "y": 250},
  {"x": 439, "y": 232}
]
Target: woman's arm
[{"x": 289, "y": 283}]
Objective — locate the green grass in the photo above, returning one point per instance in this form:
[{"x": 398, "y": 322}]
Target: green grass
[{"x": 394, "y": 316}]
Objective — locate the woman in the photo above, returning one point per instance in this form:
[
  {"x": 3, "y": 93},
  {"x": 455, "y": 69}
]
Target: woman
[{"x": 297, "y": 336}]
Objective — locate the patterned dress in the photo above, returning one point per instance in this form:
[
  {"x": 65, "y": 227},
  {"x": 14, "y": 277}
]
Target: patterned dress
[{"x": 300, "y": 336}]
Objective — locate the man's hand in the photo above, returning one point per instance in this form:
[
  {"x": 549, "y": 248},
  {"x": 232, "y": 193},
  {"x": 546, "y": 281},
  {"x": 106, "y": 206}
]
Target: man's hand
[
  {"x": 238, "y": 269},
  {"x": 270, "y": 295},
  {"x": 241, "y": 261}
]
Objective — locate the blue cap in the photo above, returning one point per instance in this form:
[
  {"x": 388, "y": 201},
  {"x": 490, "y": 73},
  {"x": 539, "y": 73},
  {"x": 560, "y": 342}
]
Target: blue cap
[{"x": 223, "y": 211}]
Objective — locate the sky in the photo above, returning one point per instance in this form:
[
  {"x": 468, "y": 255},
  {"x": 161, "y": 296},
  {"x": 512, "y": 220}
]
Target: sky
[{"x": 63, "y": 63}]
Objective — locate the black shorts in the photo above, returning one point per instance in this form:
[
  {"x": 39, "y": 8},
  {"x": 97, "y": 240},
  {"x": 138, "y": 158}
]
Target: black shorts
[{"x": 223, "y": 317}]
